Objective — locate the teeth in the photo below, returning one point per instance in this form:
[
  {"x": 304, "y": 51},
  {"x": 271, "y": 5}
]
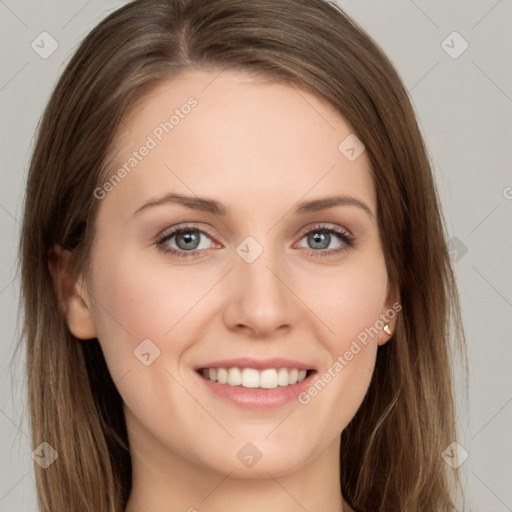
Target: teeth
[
  {"x": 282, "y": 377},
  {"x": 222, "y": 375},
  {"x": 234, "y": 377},
  {"x": 250, "y": 378},
  {"x": 269, "y": 378}
]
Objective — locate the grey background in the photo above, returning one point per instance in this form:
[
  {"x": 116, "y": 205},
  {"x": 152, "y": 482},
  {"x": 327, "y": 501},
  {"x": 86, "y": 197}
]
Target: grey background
[{"x": 464, "y": 106}]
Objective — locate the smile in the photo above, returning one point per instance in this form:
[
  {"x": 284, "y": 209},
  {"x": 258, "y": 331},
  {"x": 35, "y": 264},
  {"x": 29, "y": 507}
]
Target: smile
[{"x": 269, "y": 378}]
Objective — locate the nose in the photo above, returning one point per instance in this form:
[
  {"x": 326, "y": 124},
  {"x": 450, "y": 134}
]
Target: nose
[{"x": 260, "y": 299}]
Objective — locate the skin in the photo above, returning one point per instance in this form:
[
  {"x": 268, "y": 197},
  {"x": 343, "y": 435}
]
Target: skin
[{"x": 259, "y": 148}]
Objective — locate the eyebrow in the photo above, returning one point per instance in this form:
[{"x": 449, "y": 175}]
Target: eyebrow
[{"x": 213, "y": 206}]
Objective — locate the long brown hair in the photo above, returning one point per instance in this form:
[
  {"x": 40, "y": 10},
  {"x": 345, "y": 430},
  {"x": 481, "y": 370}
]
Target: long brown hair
[{"x": 391, "y": 450}]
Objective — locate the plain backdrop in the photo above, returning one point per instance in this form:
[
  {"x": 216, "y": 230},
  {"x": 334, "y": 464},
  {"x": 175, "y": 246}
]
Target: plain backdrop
[{"x": 454, "y": 59}]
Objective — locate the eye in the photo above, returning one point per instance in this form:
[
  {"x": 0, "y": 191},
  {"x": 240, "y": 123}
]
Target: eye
[
  {"x": 320, "y": 238},
  {"x": 187, "y": 241}
]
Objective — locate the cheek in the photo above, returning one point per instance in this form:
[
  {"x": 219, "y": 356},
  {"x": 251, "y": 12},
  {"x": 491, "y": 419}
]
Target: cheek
[
  {"x": 136, "y": 302},
  {"x": 139, "y": 310},
  {"x": 148, "y": 301},
  {"x": 348, "y": 299}
]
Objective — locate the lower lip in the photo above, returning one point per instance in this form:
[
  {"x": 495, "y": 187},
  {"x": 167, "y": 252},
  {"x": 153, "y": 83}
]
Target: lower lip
[{"x": 258, "y": 398}]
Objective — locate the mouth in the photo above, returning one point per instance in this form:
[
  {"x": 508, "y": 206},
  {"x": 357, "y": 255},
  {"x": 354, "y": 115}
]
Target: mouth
[
  {"x": 252, "y": 378},
  {"x": 256, "y": 384}
]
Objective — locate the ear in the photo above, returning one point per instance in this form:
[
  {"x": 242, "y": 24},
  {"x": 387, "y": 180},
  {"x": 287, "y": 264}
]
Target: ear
[
  {"x": 389, "y": 315},
  {"x": 71, "y": 294}
]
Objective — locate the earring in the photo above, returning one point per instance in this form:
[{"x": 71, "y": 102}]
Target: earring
[{"x": 387, "y": 329}]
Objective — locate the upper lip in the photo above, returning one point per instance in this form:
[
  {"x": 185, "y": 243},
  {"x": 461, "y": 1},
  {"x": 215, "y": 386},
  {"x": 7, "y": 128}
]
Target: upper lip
[{"x": 257, "y": 364}]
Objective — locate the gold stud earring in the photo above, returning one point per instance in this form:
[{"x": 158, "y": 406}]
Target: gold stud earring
[{"x": 387, "y": 329}]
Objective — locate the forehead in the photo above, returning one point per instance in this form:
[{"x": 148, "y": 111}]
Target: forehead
[{"x": 215, "y": 132}]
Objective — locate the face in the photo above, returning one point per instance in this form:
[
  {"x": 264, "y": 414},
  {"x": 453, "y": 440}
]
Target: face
[{"x": 264, "y": 285}]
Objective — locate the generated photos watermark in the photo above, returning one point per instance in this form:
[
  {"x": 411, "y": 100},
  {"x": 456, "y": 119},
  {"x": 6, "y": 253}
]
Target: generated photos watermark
[
  {"x": 344, "y": 359},
  {"x": 156, "y": 136}
]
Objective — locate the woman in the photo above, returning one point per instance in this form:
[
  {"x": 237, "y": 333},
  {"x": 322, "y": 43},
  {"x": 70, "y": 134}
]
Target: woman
[{"x": 235, "y": 277}]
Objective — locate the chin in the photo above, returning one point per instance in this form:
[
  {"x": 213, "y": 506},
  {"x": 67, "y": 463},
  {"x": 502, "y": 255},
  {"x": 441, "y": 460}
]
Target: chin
[{"x": 250, "y": 462}]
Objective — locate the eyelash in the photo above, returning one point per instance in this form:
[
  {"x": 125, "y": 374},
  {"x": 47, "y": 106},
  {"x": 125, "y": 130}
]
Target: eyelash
[{"x": 348, "y": 241}]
